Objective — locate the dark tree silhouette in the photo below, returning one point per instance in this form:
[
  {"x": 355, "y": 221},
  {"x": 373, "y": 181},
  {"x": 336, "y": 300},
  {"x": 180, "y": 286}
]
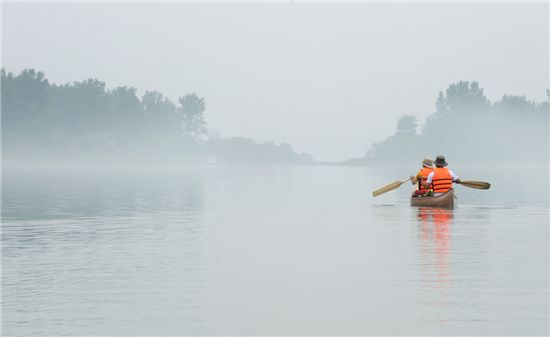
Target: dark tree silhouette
[
  {"x": 160, "y": 112},
  {"x": 407, "y": 125},
  {"x": 468, "y": 127},
  {"x": 86, "y": 121},
  {"x": 462, "y": 97},
  {"x": 191, "y": 114}
]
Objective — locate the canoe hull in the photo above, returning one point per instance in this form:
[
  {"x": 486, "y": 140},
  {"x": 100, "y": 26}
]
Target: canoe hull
[{"x": 446, "y": 200}]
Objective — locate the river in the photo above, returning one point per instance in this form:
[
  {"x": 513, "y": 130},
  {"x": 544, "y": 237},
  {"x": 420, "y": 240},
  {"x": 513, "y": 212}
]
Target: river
[{"x": 118, "y": 251}]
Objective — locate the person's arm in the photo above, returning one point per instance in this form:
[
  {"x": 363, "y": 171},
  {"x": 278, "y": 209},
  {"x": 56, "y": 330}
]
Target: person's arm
[
  {"x": 428, "y": 180},
  {"x": 455, "y": 178},
  {"x": 416, "y": 178}
]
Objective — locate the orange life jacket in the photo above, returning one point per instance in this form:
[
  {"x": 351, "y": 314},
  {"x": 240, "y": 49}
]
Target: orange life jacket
[
  {"x": 442, "y": 180},
  {"x": 424, "y": 173}
]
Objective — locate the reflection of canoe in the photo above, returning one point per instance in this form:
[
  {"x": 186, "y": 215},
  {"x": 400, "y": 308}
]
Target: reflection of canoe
[{"x": 445, "y": 200}]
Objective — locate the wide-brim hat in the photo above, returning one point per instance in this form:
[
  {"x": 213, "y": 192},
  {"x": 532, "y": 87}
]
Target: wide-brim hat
[
  {"x": 428, "y": 162},
  {"x": 440, "y": 160}
]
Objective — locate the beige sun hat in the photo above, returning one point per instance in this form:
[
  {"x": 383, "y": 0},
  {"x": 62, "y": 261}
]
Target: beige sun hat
[{"x": 427, "y": 162}]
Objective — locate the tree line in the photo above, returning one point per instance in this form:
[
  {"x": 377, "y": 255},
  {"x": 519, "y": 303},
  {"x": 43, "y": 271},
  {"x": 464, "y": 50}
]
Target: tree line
[
  {"x": 87, "y": 121},
  {"x": 469, "y": 129}
]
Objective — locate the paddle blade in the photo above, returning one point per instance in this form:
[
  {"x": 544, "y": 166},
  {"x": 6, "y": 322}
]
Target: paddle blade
[
  {"x": 480, "y": 185},
  {"x": 387, "y": 188}
]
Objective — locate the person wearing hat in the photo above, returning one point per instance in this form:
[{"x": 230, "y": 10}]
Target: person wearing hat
[
  {"x": 441, "y": 179},
  {"x": 421, "y": 177}
]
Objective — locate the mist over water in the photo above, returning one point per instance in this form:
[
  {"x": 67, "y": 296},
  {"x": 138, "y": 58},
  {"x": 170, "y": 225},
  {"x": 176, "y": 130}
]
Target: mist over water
[
  {"x": 328, "y": 78},
  {"x": 207, "y": 169},
  {"x": 255, "y": 251}
]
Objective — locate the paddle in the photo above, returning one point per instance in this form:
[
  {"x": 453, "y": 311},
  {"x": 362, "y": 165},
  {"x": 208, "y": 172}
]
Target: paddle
[
  {"x": 389, "y": 187},
  {"x": 480, "y": 185}
]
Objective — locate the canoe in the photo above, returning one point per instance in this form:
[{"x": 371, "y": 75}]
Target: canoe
[{"x": 445, "y": 200}]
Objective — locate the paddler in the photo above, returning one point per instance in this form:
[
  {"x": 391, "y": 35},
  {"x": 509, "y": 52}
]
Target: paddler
[
  {"x": 421, "y": 177},
  {"x": 441, "y": 179}
]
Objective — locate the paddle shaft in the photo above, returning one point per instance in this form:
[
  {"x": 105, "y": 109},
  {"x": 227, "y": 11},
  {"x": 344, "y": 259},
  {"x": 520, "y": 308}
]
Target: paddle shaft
[
  {"x": 389, "y": 187},
  {"x": 480, "y": 185}
]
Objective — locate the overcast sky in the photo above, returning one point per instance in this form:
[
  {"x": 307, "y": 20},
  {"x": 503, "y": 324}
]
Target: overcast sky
[{"x": 328, "y": 78}]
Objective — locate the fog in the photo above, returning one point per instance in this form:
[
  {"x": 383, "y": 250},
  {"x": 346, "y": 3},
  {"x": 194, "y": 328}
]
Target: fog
[
  {"x": 281, "y": 83},
  {"x": 207, "y": 169}
]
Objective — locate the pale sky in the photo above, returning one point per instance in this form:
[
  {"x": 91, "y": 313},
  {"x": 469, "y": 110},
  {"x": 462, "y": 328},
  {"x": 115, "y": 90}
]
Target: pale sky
[{"x": 328, "y": 78}]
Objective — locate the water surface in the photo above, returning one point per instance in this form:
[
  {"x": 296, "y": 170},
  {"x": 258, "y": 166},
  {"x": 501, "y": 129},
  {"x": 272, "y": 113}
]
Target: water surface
[{"x": 269, "y": 251}]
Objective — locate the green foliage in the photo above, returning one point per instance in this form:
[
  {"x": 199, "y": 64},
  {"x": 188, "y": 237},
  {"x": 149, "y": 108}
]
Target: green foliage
[
  {"x": 407, "y": 125},
  {"x": 239, "y": 150},
  {"x": 191, "y": 114},
  {"x": 462, "y": 97},
  {"x": 84, "y": 121},
  {"x": 23, "y": 99},
  {"x": 160, "y": 113},
  {"x": 467, "y": 128},
  {"x": 512, "y": 104}
]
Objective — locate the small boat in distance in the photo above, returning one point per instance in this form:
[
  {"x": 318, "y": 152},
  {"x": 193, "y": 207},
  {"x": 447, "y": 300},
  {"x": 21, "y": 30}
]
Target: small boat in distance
[{"x": 445, "y": 200}]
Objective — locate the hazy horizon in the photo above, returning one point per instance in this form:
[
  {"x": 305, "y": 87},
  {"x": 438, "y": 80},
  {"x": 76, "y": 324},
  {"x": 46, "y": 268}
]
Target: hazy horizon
[
  {"x": 240, "y": 169},
  {"x": 330, "y": 79}
]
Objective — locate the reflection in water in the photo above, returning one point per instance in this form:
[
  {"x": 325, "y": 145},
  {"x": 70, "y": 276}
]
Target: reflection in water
[
  {"x": 435, "y": 235},
  {"x": 290, "y": 251},
  {"x": 66, "y": 192},
  {"x": 85, "y": 246}
]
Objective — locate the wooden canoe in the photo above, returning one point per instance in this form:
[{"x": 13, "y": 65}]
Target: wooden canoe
[{"x": 445, "y": 200}]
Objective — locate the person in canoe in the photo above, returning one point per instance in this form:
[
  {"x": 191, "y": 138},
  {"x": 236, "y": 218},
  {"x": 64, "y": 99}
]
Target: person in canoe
[
  {"x": 421, "y": 177},
  {"x": 441, "y": 179}
]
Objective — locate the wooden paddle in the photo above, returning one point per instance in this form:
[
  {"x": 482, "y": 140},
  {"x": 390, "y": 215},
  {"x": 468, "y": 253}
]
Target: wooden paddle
[
  {"x": 480, "y": 185},
  {"x": 389, "y": 187}
]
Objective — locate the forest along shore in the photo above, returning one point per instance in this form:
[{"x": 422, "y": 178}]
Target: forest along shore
[{"x": 86, "y": 123}]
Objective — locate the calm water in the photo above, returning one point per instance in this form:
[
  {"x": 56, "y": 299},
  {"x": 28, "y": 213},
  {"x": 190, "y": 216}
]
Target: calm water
[{"x": 270, "y": 251}]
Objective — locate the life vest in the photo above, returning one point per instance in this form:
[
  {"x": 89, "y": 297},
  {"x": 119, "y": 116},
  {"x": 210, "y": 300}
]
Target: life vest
[
  {"x": 442, "y": 180},
  {"x": 424, "y": 173}
]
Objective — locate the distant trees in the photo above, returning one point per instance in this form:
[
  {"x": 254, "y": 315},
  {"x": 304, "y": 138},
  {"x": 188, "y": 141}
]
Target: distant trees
[
  {"x": 23, "y": 99},
  {"x": 511, "y": 103},
  {"x": 30, "y": 102},
  {"x": 81, "y": 119},
  {"x": 191, "y": 113},
  {"x": 407, "y": 125},
  {"x": 159, "y": 113},
  {"x": 126, "y": 109},
  {"x": 467, "y": 126},
  {"x": 239, "y": 150},
  {"x": 462, "y": 96}
]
